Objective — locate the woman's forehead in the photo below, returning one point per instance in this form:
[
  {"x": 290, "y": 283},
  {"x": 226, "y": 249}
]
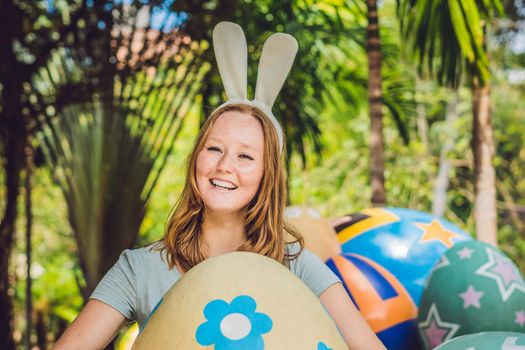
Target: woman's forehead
[{"x": 241, "y": 127}]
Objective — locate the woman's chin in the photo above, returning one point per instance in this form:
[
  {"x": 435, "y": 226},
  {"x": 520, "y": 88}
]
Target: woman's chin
[{"x": 224, "y": 210}]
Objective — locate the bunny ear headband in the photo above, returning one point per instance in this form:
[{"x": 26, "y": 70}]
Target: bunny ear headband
[{"x": 231, "y": 54}]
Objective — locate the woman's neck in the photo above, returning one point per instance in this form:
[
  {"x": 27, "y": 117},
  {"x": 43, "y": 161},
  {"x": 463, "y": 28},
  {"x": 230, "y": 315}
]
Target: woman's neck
[{"x": 222, "y": 233}]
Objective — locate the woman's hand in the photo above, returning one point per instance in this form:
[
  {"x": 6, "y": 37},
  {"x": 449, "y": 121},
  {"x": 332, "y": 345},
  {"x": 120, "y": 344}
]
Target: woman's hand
[
  {"x": 93, "y": 329},
  {"x": 356, "y": 332}
]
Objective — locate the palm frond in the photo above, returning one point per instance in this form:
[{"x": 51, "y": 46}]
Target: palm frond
[
  {"x": 447, "y": 36},
  {"x": 107, "y": 154}
]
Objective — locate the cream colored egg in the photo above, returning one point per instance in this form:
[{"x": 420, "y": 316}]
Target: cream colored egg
[
  {"x": 240, "y": 301},
  {"x": 319, "y": 236}
]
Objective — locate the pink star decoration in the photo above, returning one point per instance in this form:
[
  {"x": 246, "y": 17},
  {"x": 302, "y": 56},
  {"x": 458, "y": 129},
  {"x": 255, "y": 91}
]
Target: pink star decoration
[
  {"x": 520, "y": 318},
  {"x": 465, "y": 253},
  {"x": 435, "y": 334},
  {"x": 434, "y": 330},
  {"x": 471, "y": 297}
]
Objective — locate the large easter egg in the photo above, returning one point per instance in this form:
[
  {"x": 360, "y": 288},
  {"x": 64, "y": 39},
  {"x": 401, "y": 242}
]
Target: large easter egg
[
  {"x": 405, "y": 242},
  {"x": 239, "y": 301},
  {"x": 381, "y": 298},
  {"x": 473, "y": 288},
  {"x": 319, "y": 236},
  {"x": 486, "y": 341}
]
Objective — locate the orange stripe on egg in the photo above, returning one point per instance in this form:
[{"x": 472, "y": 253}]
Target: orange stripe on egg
[{"x": 378, "y": 312}]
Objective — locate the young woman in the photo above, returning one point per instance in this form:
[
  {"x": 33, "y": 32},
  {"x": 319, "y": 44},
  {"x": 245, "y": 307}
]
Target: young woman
[{"x": 233, "y": 200}]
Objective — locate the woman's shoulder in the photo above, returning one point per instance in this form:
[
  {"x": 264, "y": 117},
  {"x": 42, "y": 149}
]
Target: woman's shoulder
[
  {"x": 147, "y": 256},
  {"x": 293, "y": 248},
  {"x": 297, "y": 257}
]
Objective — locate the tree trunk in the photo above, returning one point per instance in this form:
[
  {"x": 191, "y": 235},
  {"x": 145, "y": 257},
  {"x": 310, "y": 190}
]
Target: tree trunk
[
  {"x": 14, "y": 155},
  {"x": 439, "y": 202},
  {"x": 422, "y": 124},
  {"x": 41, "y": 331},
  {"x": 373, "y": 47},
  {"x": 13, "y": 139},
  {"x": 29, "y": 222},
  {"x": 485, "y": 215}
]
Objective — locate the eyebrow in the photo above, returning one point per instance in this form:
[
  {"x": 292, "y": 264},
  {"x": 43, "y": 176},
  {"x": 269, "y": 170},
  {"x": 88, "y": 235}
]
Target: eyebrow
[{"x": 244, "y": 145}]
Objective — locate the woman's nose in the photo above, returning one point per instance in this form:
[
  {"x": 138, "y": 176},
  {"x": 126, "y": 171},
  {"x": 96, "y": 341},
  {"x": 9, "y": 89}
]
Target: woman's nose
[{"x": 225, "y": 163}]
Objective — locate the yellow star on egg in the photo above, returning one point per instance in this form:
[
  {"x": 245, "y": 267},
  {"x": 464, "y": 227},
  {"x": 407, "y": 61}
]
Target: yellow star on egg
[{"x": 434, "y": 231}]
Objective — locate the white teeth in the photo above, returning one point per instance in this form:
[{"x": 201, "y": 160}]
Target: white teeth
[{"x": 223, "y": 184}]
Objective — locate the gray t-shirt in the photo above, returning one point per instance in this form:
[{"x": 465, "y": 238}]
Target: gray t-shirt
[{"x": 139, "y": 279}]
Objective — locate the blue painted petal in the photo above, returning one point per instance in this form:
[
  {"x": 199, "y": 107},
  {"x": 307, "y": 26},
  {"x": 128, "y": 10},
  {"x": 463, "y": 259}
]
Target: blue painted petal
[
  {"x": 251, "y": 342},
  {"x": 322, "y": 346},
  {"x": 215, "y": 310},
  {"x": 243, "y": 304},
  {"x": 227, "y": 344},
  {"x": 208, "y": 333},
  {"x": 261, "y": 323},
  {"x": 258, "y": 343}
]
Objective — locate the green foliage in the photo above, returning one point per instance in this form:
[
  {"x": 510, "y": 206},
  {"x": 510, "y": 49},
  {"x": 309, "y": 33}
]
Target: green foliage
[
  {"x": 55, "y": 270},
  {"x": 446, "y": 37},
  {"x": 170, "y": 183},
  {"x": 340, "y": 183},
  {"x": 510, "y": 165}
]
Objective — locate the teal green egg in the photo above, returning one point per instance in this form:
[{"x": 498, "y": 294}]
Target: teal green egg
[
  {"x": 486, "y": 341},
  {"x": 473, "y": 288}
]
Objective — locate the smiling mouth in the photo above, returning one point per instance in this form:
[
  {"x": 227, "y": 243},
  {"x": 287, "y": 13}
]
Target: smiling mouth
[{"x": 223, "y": 185}]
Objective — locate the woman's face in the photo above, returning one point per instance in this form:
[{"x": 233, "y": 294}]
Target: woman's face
[{"x": 229, "y": 168}]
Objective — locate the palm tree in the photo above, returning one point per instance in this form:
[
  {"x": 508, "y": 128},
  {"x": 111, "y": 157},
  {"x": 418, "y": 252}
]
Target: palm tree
[
  {"x": 121, "y": 95},
  {"x": 377, "y": 147},
  {"x": 447, "y": 39}
]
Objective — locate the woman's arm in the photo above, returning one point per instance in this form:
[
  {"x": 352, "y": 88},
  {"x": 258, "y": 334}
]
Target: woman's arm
[
  {"x": 356, "y": 332},
  {"x": 93, "y": 329}
]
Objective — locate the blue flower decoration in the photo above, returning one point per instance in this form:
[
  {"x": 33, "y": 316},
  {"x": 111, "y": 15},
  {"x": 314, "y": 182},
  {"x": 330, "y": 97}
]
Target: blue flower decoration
[
  {"x": 234, "y": 326},
  {"x": 322, "y": 346}
]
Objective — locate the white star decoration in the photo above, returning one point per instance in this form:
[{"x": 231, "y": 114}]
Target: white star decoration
[
  {"x": 510, "y": 344},
  {"x": 443, "y": 261},
  {"x": 503, "y": 271},
  {"x": 434, "y": 331}
]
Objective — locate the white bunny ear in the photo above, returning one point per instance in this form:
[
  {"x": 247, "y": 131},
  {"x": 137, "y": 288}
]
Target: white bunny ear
[
  {"x": 231, "y": 54},
  {"x": 277, "y": 58}
]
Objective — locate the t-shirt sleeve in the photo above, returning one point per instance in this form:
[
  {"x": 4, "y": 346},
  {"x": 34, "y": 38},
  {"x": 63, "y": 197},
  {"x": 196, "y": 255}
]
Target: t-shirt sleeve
[
  {"x": 118, "y": 287},
  {"x": 313, "y": 272}
]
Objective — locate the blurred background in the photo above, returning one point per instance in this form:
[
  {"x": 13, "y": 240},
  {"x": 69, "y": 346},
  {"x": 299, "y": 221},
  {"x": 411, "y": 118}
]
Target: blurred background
[{"x": 410, "y": 103}]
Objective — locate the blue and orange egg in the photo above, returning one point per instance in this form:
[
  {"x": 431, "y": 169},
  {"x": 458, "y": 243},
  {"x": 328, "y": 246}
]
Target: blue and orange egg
[
  {"x": 405, "y": 242},
  {"x": 388, "y": 253}
]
